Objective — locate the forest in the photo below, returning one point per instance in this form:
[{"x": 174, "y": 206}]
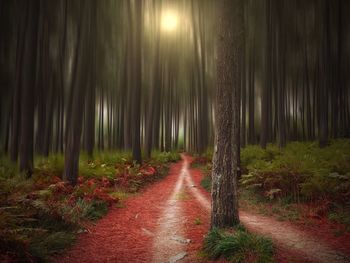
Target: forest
[{"x": 174, "y": 131}]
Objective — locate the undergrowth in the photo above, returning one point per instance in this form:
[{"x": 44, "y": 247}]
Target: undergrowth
[
  {"x": 239, "y": 246},
  {"x": 302, "y": 171},
  {"x": 300, "y": 179},
  {"x": 165, "y": 157},
  {"x": 41, "y": 216}
]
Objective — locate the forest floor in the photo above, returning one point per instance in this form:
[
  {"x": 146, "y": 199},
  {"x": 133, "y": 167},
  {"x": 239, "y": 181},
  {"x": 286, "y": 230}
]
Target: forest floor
[{"x": 167, "y": 221}]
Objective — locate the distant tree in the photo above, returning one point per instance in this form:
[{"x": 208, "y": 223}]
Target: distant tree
[
  {"x": 326, "y": 84},
  {"x": 90, "y": 111},
  {"x": 27, "y": 83},
  {"x": 136, "y": 81},
  {"x": 77, "y": 94},
  {"x": 264, "y": 134}
]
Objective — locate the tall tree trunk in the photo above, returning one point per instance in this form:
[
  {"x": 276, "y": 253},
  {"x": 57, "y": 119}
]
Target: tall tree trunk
[
  {"x": 28, "y": 81},
  {"x": 251, "y": 98},
  {"x": 264, "y": 134},
  {"x": 78, "y": 90},
  {"x": 244, "y": 87},
  {"x": 326, "y": 85},
  {"x": 90, "y": 109},
  {"x": 137, "y": 82},
  {"x": 226, "y": 156},
  {"x": 16, "y": 102}
]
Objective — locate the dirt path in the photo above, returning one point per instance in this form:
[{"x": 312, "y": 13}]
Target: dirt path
[{"x": 167, "y": 222}]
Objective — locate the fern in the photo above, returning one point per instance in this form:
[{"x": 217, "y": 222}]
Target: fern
[{"x": 302, "y": 170}]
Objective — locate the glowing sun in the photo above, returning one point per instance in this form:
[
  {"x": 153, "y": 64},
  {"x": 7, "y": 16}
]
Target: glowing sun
[{"x": 169, "y": 21}]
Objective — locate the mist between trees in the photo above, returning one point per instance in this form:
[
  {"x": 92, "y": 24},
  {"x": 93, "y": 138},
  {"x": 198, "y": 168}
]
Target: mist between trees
[{"x": 140, "y": 75}]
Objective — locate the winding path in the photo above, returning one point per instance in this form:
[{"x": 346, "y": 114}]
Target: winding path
[{"x": 167, "y": 221}]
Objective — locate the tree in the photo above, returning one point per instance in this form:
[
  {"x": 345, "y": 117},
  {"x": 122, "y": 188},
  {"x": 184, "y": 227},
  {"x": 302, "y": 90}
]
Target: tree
[
  {"x": 227, "y": 148},
  {"x": 77, "y": 96},
  {"x": 28, "y": 81},
  {"x": 136, "y": 82},
  {"x": 264, "y": 134},
  {"x": 326, "y": 84},
  {"x": 90, "y": 110}
]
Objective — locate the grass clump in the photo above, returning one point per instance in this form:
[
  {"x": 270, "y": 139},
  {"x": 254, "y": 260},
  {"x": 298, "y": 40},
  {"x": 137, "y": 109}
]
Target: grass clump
[
  {"x": 197, "y": 221},
  {"x": 96, "y": 210},
  {"x": 241, "y": 246}
]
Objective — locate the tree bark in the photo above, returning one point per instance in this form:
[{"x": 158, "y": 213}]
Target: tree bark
[{"x": 226, "y": 156}]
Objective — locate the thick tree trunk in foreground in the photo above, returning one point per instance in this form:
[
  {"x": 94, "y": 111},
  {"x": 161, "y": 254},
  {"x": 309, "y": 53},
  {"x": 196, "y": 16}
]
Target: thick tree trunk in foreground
[{"x": 226, "y": 156}]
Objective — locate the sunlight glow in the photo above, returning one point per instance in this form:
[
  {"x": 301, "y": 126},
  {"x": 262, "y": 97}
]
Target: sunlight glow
[{"x": 169, "y": 21}]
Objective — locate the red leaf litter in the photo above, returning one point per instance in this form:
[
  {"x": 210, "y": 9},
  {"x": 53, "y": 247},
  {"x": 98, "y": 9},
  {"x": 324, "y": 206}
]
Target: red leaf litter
[
  {"x": 158, "y": 223},
  {"x": 125, "y": 234}
]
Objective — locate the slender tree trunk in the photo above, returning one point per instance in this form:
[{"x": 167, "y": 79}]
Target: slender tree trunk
[
  {"x": 244, "y": 87},
  {"x": 28, "y": 81},
  {"x": 137, "y": 82},
  {"x": 323, "y": 120},
  {"x": 78, "y": 92},
  {"x": 90, "y": 106},
  {"x": 16, "y": 103},
  {"x": 251, "y": 108},
  {"x": 264, "y": 135}
]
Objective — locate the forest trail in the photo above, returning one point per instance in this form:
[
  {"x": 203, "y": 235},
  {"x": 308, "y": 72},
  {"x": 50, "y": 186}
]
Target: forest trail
[{"x": 167, "y": 221}]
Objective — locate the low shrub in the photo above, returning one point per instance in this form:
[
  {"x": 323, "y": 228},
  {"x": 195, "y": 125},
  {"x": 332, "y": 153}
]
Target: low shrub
[
  {"x": 51, "y": 165},
  {"x": 340, "y": 216},
  {"x": 109, "y": 157},
  {"x": 30, "y": 232}
]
